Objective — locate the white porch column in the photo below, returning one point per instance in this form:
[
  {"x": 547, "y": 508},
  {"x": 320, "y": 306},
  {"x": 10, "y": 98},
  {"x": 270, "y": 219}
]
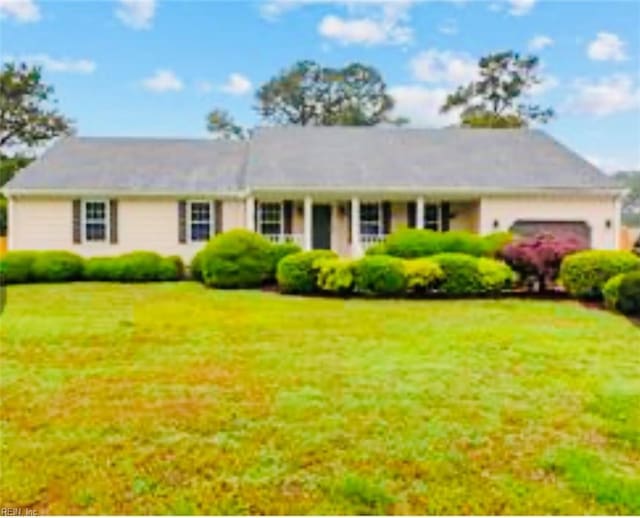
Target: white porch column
[
  {"x": 250, "y": 214},
  {"x": 356, "y": 244},
  {"x": 617, "y": 223},
  {"x": 420, "y": 212},
  {"x": 308, "y": 223}
]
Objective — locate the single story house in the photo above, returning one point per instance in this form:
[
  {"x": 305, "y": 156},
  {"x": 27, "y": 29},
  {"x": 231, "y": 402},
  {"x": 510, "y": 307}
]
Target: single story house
[{"x": 323, "y": 187}]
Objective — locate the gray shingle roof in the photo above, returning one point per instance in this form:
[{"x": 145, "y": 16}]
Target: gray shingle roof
[
  {"x": 322, "y": 158},
  {"x": 452, "y": 157},
  {"x": 136, "y": 165}
]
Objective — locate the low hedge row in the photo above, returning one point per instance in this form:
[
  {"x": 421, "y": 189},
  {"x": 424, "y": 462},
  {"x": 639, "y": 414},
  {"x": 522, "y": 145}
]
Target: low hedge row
[
  {"x": 23, "y": 267},
  {"x": 412, "y": 242},
  {"x": 584, "y": 274},
  {"x": 381, "y": 275}
]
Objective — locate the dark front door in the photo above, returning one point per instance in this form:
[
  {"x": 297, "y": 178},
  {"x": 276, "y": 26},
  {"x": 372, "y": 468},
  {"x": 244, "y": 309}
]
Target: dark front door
[{"x": 322, "y": 226}]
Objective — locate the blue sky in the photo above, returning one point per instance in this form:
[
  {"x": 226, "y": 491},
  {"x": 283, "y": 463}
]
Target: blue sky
[{"x": 155, "y": 67}]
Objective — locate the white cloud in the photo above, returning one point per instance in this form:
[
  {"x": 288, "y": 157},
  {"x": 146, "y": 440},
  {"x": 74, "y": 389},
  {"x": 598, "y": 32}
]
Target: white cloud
[
  {"x": 609, "y": 95},
  {"x": 540, "y": 42},
  {"x": 607, "y": 47},
  {"x": 422, "y": 105},
  {"x": 448, "y": 27},
  {"x": 237, "y": 84},
  {"x": 520, "y": 7},
  {"x": 137, "y": 14},
  {"x": 435, "y": 66},
  {"x": 21, "y": 10},
  {"x": 77, "y": 66},
  {"x": 387, "y": 25},
  {"x": 163, "y": 81}
]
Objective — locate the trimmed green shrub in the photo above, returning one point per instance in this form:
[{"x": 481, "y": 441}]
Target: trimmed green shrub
[
  {"x": 377, "y": 249},
  {"x": 146, "y": 267},
  {"x": 134, "y": 267},
  {"x": 611, "y": 291},
  {"x": 276, "y": 253},
  {"x": 336, "y": 275},
  {"x": 236, "y": 259},
  {"x": 461, "y": 274},
  {"x": 495, "y": 276},
  {"x": 298, "y": 273},
  {"x": 413, "y": 242},
  {"x": 584, "y": 274},
  {"x": 380, "y": 275},
  {"x": 103, "y": 269},
  {"x": 495, "y": 242},
  {"x": 195, "y": 268},
  {"x": 629, "y": 294},
  {"x": 56, "y": 266},
  {"x": 17, "y": 266},
  {"x": 422, "y": 274}
]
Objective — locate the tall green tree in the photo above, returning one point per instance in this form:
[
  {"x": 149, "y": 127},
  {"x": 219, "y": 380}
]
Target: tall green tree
[
  {"x": 310, "y": 94},
  {"x": 28, "y": 116},
  {"x": 222, "y": 125},
  {"x": 631, "y": 203},
  {"x": 495, "y": 100}
]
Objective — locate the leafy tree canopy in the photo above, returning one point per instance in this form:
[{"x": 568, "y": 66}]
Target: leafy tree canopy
[
  {"x": 222, "y": 125},
  {"x": 495, "y": 99},
  {"x": 310, "y": 94},
  {"x": 631, "y": 203},
  {"x": 27, "y": 115}
]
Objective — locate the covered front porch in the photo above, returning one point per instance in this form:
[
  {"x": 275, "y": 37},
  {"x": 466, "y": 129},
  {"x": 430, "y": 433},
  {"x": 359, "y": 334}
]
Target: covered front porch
[{"x": 350, "y": 226}]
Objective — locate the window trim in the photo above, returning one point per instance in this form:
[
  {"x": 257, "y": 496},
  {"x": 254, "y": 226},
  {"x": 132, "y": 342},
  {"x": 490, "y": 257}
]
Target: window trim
[
  {"x": 260, "y": 221},
  {"x": 438, "y": 220},
  {"x": 107, "y": 220},
  {"x": 212, "y": 220},
  {"x": 380, "y": 221}
]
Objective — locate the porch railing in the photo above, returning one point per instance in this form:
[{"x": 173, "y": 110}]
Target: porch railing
[
  {"x": 367, "y": 240},
  {"x": 298, "y": 239}
]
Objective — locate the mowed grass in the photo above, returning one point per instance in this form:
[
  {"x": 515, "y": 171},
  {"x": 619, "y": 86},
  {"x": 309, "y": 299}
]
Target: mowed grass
[{"x": 177, "y": 399}]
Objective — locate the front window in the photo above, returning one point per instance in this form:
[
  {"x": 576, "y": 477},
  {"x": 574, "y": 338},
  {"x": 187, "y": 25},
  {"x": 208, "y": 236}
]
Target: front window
[
  {"x": 95, "y": 220},
  {"x": 371, "y": 219},
  {"x": 200, "y": 220},
  {"x": 270, "y": 218},
  {"x": 432, "y": 216}
]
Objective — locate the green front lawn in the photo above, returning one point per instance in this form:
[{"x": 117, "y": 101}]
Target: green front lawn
[{"x": 177, "y": 399}]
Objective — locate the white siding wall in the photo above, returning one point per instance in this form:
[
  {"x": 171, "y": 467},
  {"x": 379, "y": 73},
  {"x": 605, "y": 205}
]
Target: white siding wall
[
  {"x": 593, "y": 210},
  {"x": 143, "y": 224}
]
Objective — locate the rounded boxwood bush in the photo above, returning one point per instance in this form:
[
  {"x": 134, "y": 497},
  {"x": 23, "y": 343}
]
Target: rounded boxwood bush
[
  {"x": 611, "y": 291},
  {"x": 54, "y": 266},
  {"x": 298, "y": 273},
  {"x": 629, "y": 294},
  {"x": 17, "y": 266},
  {"x": 336, "y": 275},
  {"x": 422, "y": 275},
  {"x": 376, "y": 249},
  {"x": 276, "y": 253},
  {"x": 584, "y": 274},
  {"x": 380, "y": 275},
  {"x": 495, "y": 242},
  {"x": 236, "y": 259},
  {"x": 461, "y": 274},
  {"x": 495, "y": 276}
]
